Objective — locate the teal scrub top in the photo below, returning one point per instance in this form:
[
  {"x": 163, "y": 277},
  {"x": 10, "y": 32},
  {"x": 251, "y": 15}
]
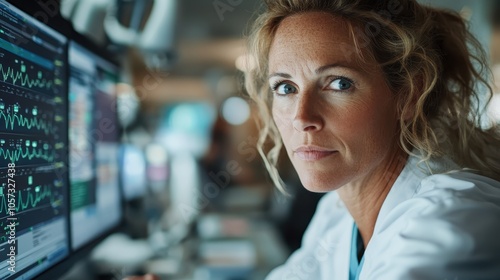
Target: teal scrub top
[{"x": 357, "y": 257}]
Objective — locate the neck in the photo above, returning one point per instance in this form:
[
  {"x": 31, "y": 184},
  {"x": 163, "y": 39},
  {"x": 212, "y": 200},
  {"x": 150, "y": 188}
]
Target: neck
[{"x": 364, "y": 197}]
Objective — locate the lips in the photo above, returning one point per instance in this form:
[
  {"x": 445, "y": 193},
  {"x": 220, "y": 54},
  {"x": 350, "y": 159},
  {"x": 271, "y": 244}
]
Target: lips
[{"x": 313, "y": 153}]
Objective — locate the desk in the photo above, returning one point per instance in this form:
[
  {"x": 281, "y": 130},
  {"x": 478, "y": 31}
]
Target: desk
[{"x": 259, "y": 250}]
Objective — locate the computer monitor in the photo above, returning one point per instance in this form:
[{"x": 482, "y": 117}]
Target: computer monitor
[
  {"x": 96, "y": 205},
  {"x": 33, "y": 145}
]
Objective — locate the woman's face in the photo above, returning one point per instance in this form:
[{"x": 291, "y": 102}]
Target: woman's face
[{"x": 335, "y": 113}]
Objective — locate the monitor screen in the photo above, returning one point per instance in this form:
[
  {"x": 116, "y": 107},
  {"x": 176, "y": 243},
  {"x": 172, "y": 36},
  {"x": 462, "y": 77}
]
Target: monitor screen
[
  {"x": 33, "y": 145},
  {"x": 133, "y": 170},
  {"x": 94, "y": 145}
]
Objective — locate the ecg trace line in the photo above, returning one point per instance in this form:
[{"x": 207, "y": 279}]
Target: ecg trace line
[
  {"x": 25, "y": 80},
  {"x": 21, "y": 121},
  {"x": 19, "y": 153},
  {"x": 31, "y": 200}
]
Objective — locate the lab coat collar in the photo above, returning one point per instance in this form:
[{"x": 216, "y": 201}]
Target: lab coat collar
[{"x": 408, "y": 182}]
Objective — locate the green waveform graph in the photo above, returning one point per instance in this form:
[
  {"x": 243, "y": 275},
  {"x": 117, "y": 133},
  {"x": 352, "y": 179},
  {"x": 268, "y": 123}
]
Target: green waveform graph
[
  {"x": 19, "y": 153},
  {"x": 23, "y": 79},
  {"x": 29, "y": 198},
  {"x": 25, "y": 201},
  {"x": 15, "y": 120}
]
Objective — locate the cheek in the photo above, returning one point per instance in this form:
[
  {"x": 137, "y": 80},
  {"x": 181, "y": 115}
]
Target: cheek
[
  {"x": 280, "y": 117},
  {"x": 284, "y": 124},
  {"x": 368, "y": 124},
  {"x": 382, "y": 118}
]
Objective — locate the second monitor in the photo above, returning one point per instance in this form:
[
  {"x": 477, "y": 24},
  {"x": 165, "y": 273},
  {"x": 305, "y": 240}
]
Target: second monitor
[{"x": 94, "y": 144}]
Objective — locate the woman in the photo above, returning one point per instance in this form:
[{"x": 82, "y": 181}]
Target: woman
[{"x": 376, "y": 102}]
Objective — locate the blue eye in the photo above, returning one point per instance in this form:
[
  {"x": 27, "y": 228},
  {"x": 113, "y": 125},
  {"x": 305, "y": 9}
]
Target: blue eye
[
  {"x": 341, "y": 84},
  {"x": 284, "y": 88}
]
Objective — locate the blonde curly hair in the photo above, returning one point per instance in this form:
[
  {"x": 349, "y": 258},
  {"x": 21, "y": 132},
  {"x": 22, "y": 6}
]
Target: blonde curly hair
[{"x": 432, "y": 63}]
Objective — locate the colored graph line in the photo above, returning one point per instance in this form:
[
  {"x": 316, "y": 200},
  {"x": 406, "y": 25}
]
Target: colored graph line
[
  {"x": 25, "y": 201},
  {"x": 17, "y": 154},
  {"x": 16, "y": 120},
  {"x": 29, "y": 199},
  {"x": 23, "y": 78}
]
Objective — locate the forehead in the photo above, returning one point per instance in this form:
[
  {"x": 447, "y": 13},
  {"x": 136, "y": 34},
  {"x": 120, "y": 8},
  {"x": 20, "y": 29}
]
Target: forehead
[
  {"x": 317, "y": 37},
  {"x": 313, "y": 24}
]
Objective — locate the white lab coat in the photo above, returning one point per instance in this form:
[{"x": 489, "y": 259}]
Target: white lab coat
[{"x": 444, "y": 226}]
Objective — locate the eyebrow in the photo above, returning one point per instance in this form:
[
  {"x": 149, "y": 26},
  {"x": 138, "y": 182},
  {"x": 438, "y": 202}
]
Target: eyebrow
[
  {"x": 317, "y": 71},
  {"x": 283, "y": 75},
  {"x": 333, "y": 65}
]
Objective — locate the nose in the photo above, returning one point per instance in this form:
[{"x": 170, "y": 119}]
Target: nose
[{"x": 308, "y": 114}]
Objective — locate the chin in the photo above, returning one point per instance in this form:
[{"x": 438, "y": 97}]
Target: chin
[{"x": 319, "y": 184}]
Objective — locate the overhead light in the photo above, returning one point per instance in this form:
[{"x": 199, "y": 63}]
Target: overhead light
[{"x": 235, "y": 110}]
